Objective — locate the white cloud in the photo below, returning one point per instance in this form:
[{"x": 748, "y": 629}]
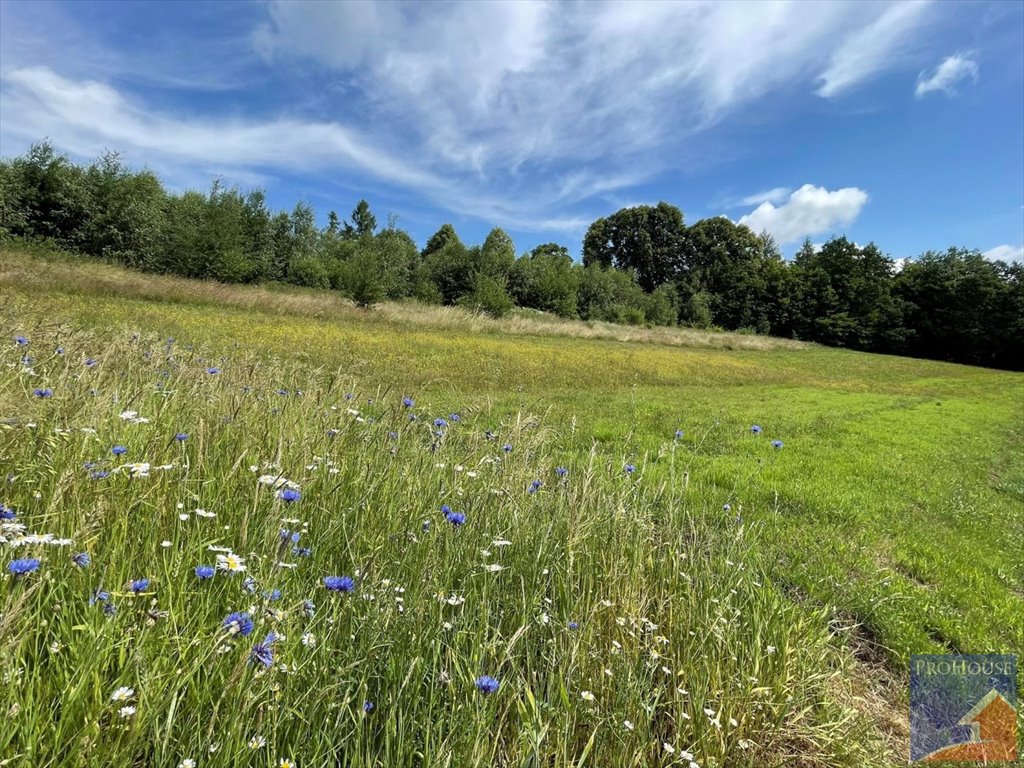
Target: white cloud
[
  {"x": 952, "y": 71},
  {"x": 774, "y": 195},
  {"x": 1008, "y": 253},
  {"x": 809, "y": 211},
  {"x": 519, "y": 113},
  {"x": 873, "y": 48}
]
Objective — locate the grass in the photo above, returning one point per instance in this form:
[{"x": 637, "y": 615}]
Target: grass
[{"x": 889, "y": 523}]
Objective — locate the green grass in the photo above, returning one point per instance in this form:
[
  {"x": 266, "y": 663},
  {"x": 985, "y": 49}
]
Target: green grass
[{"x": 895, "y": 507}]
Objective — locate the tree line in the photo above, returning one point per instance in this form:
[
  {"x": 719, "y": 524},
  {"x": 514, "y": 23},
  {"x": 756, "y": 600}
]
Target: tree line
[{"x": 641, "y": 265}]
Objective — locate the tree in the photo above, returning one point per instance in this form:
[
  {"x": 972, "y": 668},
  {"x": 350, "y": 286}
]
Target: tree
[
  {"x": 612, "y": 295},
  {"x": 497, "y": 254},
  {"x": 445, "y": 235},
  {"x": 488, "y": 295},
  {"x": 363, "y": 224},
  {"x": 645, "y": 238},
  {"x": 546, "y": 279}
]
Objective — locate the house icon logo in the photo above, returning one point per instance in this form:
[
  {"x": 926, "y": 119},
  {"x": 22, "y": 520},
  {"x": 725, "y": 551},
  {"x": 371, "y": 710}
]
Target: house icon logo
[{"x": 963, "y": 709}]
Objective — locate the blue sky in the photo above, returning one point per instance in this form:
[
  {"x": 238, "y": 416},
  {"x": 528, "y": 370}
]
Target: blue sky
[{"x": 898, "y": 122}]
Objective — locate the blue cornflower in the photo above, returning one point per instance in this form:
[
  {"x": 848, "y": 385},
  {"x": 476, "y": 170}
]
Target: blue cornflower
[
  {"x": 239, "y": 623},
  {"x": 249, "y": 585},
  {"x": 445, "y": 509},
  {"x": 89, "y": 362},
  {"x": 109, "y": 609},
  {"x": 23, "y": 566},
  {"x": 349, "y": 395},
  {"x": 679, "y": 434},
  {"x": 139, "y": 585},
  {"x": 440, "y": 423},
  {"x": 204, "y": 572},
  {"x": 776, "y": 444},
  {"x": 630, "y": 469},
  {"x": 21, "y": 341},
  {"x": 43, "y": 392},
  {"x": 454, "y": 417},
  {"x": 99, "y": 596},
  {"x": 408, "y": 402},
  {"x": 7, "y": 513},
  {"x": 573, "y": 625},
  {"x": 392, "y": 435},
  {"x": 119, "y": 450},
  {"x": 302, "y": 551},
  {"x": 534, "y": 486},
  {"x": 295, "y": 537},
  {"x": 99, "y": 474},
  {"x": 339, "y": 583},
  {"x": 455, "y": 518},
  {"x": 262, "y": 652},
  {"x": 561, "y": 471},
  {"x": 282, "y": 392},
  {"x": 60, "y": 350},
  {"x": 82, "y": 559},
  {"x": 487, "y": 684},
  {"x": 289, "y": 495},
  {"x": 413, "y": 417},
  {"x": 213, "y": 371},
  {"x": 507, "y": 448},
  {"x": 756, "y": 429},
  {"x": 273, "y": 595},
  {"x": 181, "y": 437},
  {"x": 309, "y": 608},
  {"x": 332, "y": 432},
  {"x": 368, "y": 707}
]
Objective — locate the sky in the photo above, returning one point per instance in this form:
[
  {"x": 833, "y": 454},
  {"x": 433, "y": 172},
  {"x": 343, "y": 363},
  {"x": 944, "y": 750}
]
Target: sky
[{"x": 900, "y": 123}]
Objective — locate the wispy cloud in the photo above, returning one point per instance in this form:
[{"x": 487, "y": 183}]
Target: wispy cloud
[
  {"x": 873, "y": 48},
  {"x": 809, "y": 211},
  {"x": 774, "y": 195},
  {"x": 950, "y": 73}
]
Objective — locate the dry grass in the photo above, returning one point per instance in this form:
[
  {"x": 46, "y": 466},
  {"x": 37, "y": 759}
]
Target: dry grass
[{"x": 29, "y": 272}]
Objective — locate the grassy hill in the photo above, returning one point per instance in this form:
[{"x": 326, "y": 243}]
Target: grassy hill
[{"x": 748, "y": 604}]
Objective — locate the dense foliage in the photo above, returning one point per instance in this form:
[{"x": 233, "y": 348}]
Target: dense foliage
[{"x": 641, "y": 265}]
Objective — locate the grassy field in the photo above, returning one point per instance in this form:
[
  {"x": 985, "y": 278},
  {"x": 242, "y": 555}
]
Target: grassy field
[{"x": 748, "y": 605}]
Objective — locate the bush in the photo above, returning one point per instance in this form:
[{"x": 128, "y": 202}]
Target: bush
[{"x": 488, "y": 295}]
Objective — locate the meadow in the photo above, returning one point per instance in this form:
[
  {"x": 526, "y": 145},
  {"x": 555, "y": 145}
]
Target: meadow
[{"x": 446, "y": 540}]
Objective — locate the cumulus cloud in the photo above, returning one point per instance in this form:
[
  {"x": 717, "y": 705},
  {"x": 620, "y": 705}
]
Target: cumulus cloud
[
  {"x": 951, "y": 72},
  {"x": 1008, "y": 253},
  {"x": 809, "y": 211}
]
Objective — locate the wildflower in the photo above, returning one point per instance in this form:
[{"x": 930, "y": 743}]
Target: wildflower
[
  {"x": 587, "y": 695},
  {"x": 630, "y": 469},
  {"x": 257, "y": 742},
  {"x": 188, "y": 762},
  {"x": 289, "y": 495},
  {"x": 45, "y": 392},
  {"x": 21, "y": 341},
  {"x": 309, "y": 608},
  {"x": 487, "y": 684},
  {"x": 332, "y": 432},
  {"x": 408, "y": 402},
  {"x": 139, "y": 585},
  {"x": 230, "y": 562},
  {"x": 756, "y": 429},
  {"x": 119, "y": 450},
  {"x": 82, "y": 559},
  {"x": 89, "y": 362},
  {"x": 573, "y": 625},
  {"x": 776, "y": 444},
  {"x": 204, "y": 513},
  {"x": 726, "y": 507},
  {"x": 23, "y": 566},
  {"x": 122, "y": 694},
  {"x": 668, "y": 747},
  {"x": 561, "y": 471},
  {"x": 99, "y": 596},
  {"x": 262, "y": 651},
  {"x": 109, "y": 609},
  {"x": 239, "y": 623},
  {"x": 204, "y": 572},
  {"x": 126, "y": 712},
  {"x": 213, "y": 371},
  {"x": 286, "y": 763},
  {"x": 7, "y": 513},
  {"x": 455, "y": 518},
  {"x": 309, "y": 639},
  {"x": 679, "y": 434},
  {"x": 339, "y": 583},
  {"x": 507, "y": 448},
  {"x": 181, "y": 437},
  {"x": 99, "y": 474},
  {"x": 368, "y": 706},
  {"x": 273, "y": 595}
]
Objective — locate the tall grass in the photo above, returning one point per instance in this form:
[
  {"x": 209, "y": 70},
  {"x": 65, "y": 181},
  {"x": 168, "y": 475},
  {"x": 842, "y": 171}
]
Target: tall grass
[{"x": 625, "y": 615}]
